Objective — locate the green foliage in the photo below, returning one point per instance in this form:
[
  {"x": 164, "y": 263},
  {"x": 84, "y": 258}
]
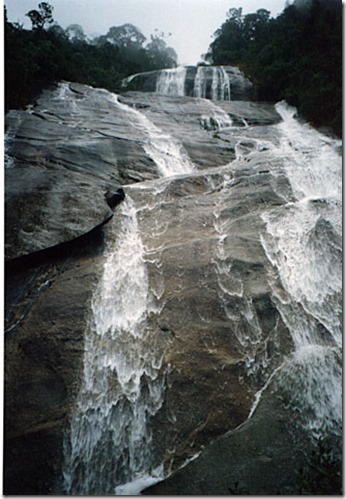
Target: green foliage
[
  {"x": 159, "y": 54},
  {"x": 40, "y": 17},
  {"x": 47, "y": 54},
  {"x": 296, "y": 56},
  {"x": 125, "y": 36}
]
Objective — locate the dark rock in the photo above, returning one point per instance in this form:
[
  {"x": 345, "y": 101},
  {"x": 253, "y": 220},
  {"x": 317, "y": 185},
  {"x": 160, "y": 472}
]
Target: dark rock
[
  {"x": 208, "y": 389},
  {"x": 261, "y": 457},
  {"x": 113, "y": 198},
  {"x": 241, "y": 87},
  {"x": 33, "y": 461},
  {"x": 46, "y": 316},
  {"x": 207, "y": 269},
  {"x": 144, "y": 82},
  {"x": 59, "y": 167}
]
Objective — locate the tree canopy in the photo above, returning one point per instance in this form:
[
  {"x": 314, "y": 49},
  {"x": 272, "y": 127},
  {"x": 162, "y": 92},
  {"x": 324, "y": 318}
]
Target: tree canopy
[
  {"x": 40, "y": 17},
  {"x": 47, "y": 53},
  {"x": 296, "y": 56}
]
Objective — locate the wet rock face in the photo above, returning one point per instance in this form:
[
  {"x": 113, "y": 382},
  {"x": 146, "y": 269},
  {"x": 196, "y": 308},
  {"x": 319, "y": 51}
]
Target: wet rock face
[
  {"x": 262, "y": 457},
  {"x": 207, "y": 270},
  {"x": 68, "y": 151},
  {"x": 46, "y": 316},
  {"x": 76, "y": 144},
  {"x": 206, "y": 265},
  {"x": 240, "y": 87}
]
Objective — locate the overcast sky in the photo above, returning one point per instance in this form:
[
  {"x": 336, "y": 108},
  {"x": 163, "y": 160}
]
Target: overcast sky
[{"x": 191, "y": 22}]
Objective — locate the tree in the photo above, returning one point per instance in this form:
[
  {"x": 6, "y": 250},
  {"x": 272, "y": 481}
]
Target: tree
[
  {"x": 124, "y": 36},
  {"x": 40, "y": 57},
  {"x": 75, "y": 33},
  {"x": 297, "y": 56},
  {"x": 40, "y": 17},
  {"x": 57, "y": 31},
  {"x": 159, "y": 54},
  {"x": 228, "y": 40}
]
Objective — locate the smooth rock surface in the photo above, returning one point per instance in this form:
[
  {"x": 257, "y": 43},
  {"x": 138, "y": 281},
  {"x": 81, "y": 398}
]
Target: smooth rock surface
[
  {"x": 64, "y": 155},
  {"x": 261, "y": 457},
  {"x": 47, "y": 311},
  {"x": 209, "y": 276},
  {"x": 76, "y": 143}
]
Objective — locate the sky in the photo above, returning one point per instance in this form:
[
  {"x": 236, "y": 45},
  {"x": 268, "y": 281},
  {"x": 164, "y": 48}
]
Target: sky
[{"x": 191, "y": 22}]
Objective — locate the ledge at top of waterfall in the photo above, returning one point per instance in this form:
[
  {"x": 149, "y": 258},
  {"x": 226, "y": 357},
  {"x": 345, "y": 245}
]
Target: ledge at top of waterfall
[{"x": 207, "y": 82}]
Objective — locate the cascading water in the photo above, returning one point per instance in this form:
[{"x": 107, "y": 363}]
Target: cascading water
[
  {"x": 217, "y": 85},
  {"x": 171, "y": 82},
  {"x": 110, "y": 443},
  {"x": 109, "y": 448},
  {"x": 166, "y": 152},
  {"x": 217, "y": 120},
  {"x": 303, "y": 242},
  {"x": 210, "y": 82},
  {"x": 220, "y": 87}
]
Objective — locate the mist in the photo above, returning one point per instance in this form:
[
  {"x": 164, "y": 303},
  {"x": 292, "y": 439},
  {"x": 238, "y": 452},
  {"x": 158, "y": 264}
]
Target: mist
[{"x": 188, "y": 25}]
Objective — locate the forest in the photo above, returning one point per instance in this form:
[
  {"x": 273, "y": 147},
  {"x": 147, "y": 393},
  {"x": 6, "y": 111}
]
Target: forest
[
  {"x": 296, "y": 56},
  {"x": 47, "y": 53}
]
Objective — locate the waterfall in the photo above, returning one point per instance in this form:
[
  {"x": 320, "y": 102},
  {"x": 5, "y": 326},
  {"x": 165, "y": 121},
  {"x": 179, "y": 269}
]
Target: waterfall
[
  {"x": 303, "y": 241},
  {"x": 210, "y": 82},
  {"x": 220, "y": 87},
  {"x": 171, "y": 82},
  {"x": 110, "y": 440},
  {"x": 167, "y": 153},
  {"x": 215, "y": 86},
  {"x": 200, "y": 84},
  {"x": 109, "y": 448}
]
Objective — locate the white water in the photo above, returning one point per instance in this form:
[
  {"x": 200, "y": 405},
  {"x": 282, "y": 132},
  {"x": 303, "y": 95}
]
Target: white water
[
  {"x": 218, "y": 119},
  {"x": 109, "y": 449},
  {"x": 110, "y": 440},
  {"x": 167, "y": 153},
  {"x": 171, "y": 82},
  {"x": 220, "y": 84},
  {"x": 303, "y": 242},
  {"x": 110, "y": 446},
  {"x": 220, "y": 87},
  {"x": 212, "y": 82}
]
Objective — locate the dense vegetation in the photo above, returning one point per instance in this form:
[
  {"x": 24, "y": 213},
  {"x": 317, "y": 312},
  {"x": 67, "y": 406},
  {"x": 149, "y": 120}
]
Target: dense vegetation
[
  {"x": 47, "y": 53},
  {"x": 296, "y": 56}
]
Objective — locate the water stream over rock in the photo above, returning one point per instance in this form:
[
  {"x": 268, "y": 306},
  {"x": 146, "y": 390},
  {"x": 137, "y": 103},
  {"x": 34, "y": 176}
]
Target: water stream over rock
[{"x": 210, "y": 324}]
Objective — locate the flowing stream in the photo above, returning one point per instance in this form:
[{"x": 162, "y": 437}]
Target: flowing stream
[
  {"x": 171, "y": 82},
  {"x": 220, "y": 84},
  {"x": 303, "y": 241},
  {"x": 212, "y": 82},
  {"x": 109, "y": 448}
]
